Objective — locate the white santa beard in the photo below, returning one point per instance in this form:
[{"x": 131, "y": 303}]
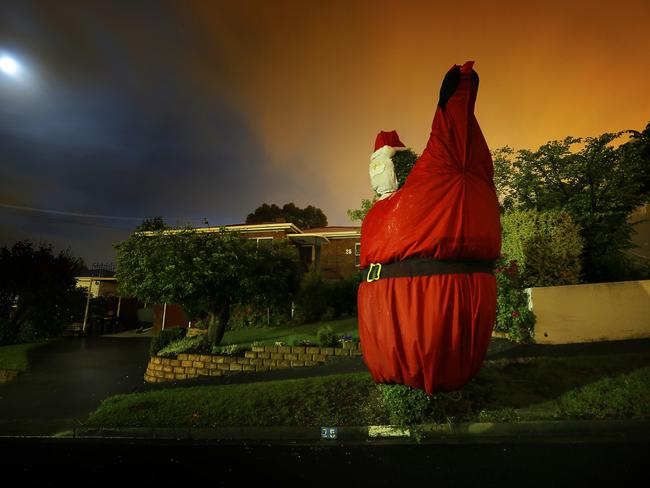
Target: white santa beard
[{"x": 382, "y": 172}]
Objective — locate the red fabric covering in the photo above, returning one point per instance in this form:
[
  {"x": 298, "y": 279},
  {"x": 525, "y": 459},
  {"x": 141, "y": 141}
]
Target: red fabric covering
[
  {"x": 432, "y": 332},
  {"x": 389, "y": 138}
]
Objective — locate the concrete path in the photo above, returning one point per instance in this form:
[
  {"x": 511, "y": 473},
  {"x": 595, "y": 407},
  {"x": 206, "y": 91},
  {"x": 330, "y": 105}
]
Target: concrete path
[{"x": 68, "y": 379}]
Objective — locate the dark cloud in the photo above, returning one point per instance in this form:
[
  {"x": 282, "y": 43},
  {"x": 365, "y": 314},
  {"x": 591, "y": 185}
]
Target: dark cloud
[{"x": 117, "y": 125}]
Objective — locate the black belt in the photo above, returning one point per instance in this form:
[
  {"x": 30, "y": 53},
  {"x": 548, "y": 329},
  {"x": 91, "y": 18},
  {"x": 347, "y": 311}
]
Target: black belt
[{"x": 425, "y": 267}]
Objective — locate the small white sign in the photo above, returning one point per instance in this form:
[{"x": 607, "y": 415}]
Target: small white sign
[{"x": 328, "y": 432}]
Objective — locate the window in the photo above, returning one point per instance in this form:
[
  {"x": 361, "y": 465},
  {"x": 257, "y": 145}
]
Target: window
[
  {"x": 357, "y": 254},
  {"x": 263, "y": 241}
]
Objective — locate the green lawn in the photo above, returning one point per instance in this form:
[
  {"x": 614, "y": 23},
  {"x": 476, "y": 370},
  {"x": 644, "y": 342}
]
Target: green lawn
[
  {"x": 245, "y": 337},
  {"x": 15, "y": 357},
  {"x": 335, "y": 399},
  {"x": 612, "y": 386}
]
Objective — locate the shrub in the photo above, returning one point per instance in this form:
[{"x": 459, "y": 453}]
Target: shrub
[
  {"x": 166, "y": 337},
  {"x": 546, "y": 245},
  {"x": 327, "y": 337},
  {"x": 193, "y": 344},
  {"x": 329, "y": 315},
  {"x": 246, "y": 316},
  {"x": 229, "y": 349},
  {"x": 406, "y": 406},
  {"x": 311, "y": 301},
  {"x": 342, "y": 295},
  {"x": 513, "y": 316},
  {"x": 8, "y": 332},
  {"x": 319, "y": 299}
]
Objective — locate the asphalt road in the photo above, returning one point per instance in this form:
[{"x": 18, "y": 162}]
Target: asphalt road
[
  {"x": 70, "y": 461},
  {"x": 68, "y": 379}
]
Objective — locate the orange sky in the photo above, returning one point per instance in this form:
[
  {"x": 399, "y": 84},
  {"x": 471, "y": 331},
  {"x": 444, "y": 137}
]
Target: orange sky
[{"x": 317, "y": 80}]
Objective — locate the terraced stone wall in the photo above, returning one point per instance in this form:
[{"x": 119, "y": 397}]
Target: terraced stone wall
[{"x": 262, "y": 358}]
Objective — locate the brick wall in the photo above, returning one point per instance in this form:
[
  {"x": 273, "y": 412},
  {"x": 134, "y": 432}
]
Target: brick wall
[
  {"x": 263, "y": 358},
  {"x": 334, "y": 260}
]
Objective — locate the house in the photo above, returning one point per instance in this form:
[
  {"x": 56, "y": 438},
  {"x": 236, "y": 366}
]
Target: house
[{"x": 124, "y": 310}]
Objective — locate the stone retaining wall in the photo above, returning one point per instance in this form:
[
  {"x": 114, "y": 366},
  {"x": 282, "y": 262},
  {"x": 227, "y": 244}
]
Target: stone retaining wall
[
  {"x": 6, "y": 375},
  {"x": 262, "y": 358}
]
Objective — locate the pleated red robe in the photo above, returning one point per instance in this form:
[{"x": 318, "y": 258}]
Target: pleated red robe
[{"x": 432, "y": 332}]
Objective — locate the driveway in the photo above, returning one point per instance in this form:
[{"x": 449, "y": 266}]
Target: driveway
[{"x": 68, "y": 379}]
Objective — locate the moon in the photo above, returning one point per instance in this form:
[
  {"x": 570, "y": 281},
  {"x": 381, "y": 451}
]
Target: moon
[{"x": 9, "y": 66}]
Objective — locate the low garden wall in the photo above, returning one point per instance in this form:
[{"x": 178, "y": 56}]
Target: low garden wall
[
  {"x": 6, "y": 375},
  {"x": 260, "y": 358},
  {"x": 592, "y": 312}
]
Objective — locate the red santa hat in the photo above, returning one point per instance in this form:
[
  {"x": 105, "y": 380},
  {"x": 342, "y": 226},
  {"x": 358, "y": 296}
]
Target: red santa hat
[
  {"x": 382, "y": 171},
  {"x": 388, "y": 138}
]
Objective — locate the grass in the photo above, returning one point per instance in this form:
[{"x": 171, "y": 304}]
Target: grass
[
  {"x": 15, "y": 356},
  {"x": 288, "y": 334},
  {"x": 315, "y": 401},
  {"x": 594, "y": 387},
  {"x": 627, "y": 395},
  {"x": 561, "y": 388}
]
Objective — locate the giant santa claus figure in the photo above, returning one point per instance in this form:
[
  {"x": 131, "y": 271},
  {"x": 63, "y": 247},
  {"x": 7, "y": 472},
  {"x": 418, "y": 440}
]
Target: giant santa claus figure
[{"x": 427, "y": 304}]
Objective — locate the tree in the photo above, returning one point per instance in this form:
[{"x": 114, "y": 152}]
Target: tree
[
  {"x": 37, "y": 291},
  {"x": 597, "y": 183},
  {"x": 546, "y": 246},
  {"x": 305, "y": 218},
  {"x": 639, "y": 146},
  {"x": 154, "y": 223},
  {"x": 206, "y": 273},
  {"x": 360, "y": 213}
]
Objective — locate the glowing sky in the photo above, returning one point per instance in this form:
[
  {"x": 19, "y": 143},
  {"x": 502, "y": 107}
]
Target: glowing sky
[{"x": 196, "y": 110}]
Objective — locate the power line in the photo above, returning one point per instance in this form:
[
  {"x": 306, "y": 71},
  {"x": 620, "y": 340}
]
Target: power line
[
  {"x": 87, "y": 215},
  {"x": 73, "y": 214}
]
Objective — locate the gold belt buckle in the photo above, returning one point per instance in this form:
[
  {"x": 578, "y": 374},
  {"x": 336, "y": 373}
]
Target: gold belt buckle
[{"x": 372, "y": 275}]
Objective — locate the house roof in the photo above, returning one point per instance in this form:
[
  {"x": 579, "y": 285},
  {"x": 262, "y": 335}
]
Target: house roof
[{"x": 335, "y": 231}]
